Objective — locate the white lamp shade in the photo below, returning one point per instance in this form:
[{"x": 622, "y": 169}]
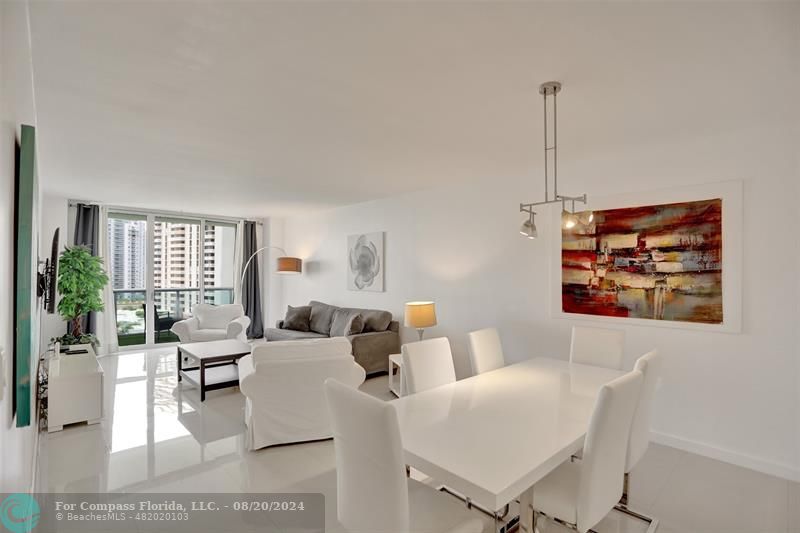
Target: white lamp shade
[{"x": 420, "y": 315}]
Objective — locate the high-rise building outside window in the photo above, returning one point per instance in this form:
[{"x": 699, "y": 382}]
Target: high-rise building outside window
[{"x": 193, "y": 259}]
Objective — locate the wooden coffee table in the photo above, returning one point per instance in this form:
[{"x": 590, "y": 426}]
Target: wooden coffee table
[{"x": 216, "y": 364}]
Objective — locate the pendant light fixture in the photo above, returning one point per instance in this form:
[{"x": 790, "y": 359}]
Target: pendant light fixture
[{"x": 569, "y": 218}]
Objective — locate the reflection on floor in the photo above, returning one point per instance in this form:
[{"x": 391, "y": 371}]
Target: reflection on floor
[{"x": 157, "y": 437}]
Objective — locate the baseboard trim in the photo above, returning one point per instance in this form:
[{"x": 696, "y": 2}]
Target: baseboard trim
[{"x": 758, "y": 464}]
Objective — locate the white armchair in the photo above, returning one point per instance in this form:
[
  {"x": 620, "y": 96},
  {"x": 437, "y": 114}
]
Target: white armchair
[
  {"x": 283, "y": 386},
  {"x": 213, "y": 323}
]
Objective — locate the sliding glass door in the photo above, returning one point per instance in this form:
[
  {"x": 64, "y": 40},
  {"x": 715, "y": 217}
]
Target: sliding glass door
[
  {"x": 219, "y": 247},
  {"x": 127, "y": 236},
  {"x": 162, "y": 266},
  {"x": 177, "y": 258}
]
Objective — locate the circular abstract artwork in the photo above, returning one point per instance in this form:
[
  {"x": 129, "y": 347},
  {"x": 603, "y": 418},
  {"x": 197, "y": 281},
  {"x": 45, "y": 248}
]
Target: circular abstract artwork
[{"x": 365, "y": 258}]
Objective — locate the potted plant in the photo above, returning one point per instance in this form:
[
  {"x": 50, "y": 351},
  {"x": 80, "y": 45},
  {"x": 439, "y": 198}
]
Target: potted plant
[{"x": 81, "y": 279}]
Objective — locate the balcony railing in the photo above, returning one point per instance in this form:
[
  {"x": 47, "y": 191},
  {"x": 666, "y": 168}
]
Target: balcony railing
[{"x": 170, "y": 306}]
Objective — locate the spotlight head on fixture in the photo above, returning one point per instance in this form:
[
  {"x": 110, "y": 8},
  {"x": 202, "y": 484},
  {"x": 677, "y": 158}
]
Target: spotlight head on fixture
[
  {"x": 569, "y": 219},
  {"x": 528, "y": 228},
  {"x": 586, "y": 217}
]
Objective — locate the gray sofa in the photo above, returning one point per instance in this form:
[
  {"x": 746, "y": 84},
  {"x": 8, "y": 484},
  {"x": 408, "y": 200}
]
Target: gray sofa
[{"x": 371, "y": 348}]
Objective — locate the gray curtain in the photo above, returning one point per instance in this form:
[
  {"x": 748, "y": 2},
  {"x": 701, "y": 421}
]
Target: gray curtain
[
  {"x": 87, "y": 234},
  {"x": 86, "y": 221},
  {"x": 251, "y": 287}
]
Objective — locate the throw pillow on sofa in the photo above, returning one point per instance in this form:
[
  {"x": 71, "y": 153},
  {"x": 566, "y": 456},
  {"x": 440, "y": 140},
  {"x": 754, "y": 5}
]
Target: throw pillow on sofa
[
  {"x": 346, "y": 323},
  {"x": 297, "y": 318},
  {"x": 375, "y": 319},
  {"x": 321, "y": 317}
]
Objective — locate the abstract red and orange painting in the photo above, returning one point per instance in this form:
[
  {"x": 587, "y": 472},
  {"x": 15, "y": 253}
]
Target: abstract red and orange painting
[{"x": 659, "y": 262}]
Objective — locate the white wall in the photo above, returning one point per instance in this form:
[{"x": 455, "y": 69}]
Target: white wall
[
  {"x": 733, "y": 397},
  {"x": 796, "y": 312},
  {"x": 272, "y": 283},
  {"x": 16, "y": 107}
]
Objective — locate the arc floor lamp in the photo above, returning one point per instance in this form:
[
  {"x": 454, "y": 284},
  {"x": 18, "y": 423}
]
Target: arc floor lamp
[{"x": 285, "y": 264}]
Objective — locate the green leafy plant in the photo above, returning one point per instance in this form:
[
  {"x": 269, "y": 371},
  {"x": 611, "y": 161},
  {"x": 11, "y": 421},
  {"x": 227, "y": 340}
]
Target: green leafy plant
[
  {"x": 81, "y": 279},
  {"x": 68, "y": 339}
]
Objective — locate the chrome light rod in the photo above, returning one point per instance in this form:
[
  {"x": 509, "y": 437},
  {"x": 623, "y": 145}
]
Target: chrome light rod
[
  {"x": 560, "y": 199},
  {"x": 551, "y": 89}
]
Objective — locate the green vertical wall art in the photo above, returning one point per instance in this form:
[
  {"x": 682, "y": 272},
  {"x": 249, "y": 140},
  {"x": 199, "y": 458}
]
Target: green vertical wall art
[{"x": 25, "y": 274}]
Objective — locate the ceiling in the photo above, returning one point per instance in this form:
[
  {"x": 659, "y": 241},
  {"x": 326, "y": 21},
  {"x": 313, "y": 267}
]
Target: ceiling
[{"x": 274, "y": 108}]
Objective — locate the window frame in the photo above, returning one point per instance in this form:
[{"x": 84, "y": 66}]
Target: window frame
[{"x": 150, "y": 217}]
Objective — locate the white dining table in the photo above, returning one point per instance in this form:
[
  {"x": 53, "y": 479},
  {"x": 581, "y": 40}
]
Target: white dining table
[{"x": 492, "y": 436}]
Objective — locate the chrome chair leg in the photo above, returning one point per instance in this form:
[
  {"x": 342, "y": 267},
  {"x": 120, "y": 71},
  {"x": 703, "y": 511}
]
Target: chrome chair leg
[
  {"x": 644, "y": 518},
  {"x": 570, "y": 525},
  {"x": 470, "y": 504},
  {"x": 625, "y": 481},
  {"x": 622, "y": 507}
]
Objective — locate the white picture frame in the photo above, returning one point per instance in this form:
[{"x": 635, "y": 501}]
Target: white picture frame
[{"x": 730, "y": 192}]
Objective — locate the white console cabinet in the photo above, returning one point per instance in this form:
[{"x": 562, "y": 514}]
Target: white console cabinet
[{"x": 75, "y": 390}]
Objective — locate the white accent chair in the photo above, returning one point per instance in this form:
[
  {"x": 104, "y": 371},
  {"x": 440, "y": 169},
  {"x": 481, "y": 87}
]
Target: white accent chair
[
  {"x": 485, "y": 351},
  {"x": 597, "y": 347},
  {"x": 373, "y": 493},
  {"x": 213, "y": 323},
  {"x": 427, "y": 364},
  {"x": 650, "y": 366},
  {"x": 283, "y": 386},
  {"x": 581, "y": 494}
]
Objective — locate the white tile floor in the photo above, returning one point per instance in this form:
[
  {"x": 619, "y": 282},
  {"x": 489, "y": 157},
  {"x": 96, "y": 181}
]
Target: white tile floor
[{"x": 158, "y": 437}]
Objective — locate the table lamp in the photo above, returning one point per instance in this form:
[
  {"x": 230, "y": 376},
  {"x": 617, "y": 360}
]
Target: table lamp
[{"x": 420, "y": 315}]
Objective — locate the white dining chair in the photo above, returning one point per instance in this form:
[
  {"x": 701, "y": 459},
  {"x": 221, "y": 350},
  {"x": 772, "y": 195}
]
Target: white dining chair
[
  {"x": 581, "y": 494},
  {"x": 427, "y": 364},
  {"x": 650, "y": 366},
  {"x": 597, "y": 347},
  {"x": 373, "y": 494},
  {"x": 485, "y": 350}
]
